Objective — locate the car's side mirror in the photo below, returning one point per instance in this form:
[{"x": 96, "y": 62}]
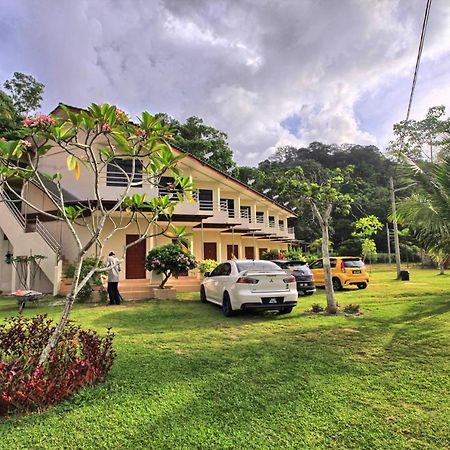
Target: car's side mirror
[{"x": 207, "y": 274}]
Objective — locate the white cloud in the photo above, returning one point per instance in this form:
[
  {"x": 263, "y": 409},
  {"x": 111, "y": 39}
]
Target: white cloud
[{"x": 242, "y": 66}]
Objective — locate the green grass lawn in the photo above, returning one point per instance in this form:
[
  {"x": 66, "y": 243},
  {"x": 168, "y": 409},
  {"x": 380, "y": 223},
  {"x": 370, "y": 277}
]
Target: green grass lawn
[{"x": 188, "y": 378}]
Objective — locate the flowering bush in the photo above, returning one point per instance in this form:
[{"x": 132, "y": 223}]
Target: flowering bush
[
  {"x": 81, "y": 358},
  {"x": 169, "y": 260},
  {"x": 207, "y": 265}
]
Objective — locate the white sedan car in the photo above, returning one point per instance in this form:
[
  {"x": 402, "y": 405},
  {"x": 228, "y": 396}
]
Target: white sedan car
[{"x": 246, "y": 284}]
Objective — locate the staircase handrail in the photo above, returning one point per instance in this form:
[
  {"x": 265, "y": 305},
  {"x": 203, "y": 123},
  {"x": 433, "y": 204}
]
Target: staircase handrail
[
  {"x": 9, "y": 202},
  {"x": 48, "y": 237}
]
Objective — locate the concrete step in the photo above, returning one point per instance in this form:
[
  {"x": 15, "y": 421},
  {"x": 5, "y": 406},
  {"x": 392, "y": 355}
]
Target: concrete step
[{"x": 141, "y": 288}]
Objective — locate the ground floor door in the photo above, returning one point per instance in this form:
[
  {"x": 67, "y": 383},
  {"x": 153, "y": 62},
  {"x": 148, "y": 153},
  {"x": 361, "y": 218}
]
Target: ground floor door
[
  {"x": 210, "y": 250},
  {"x": 249, "y": 252},
  {"x": 135, "y": 258},
  {"x": 232, "y": 252}
]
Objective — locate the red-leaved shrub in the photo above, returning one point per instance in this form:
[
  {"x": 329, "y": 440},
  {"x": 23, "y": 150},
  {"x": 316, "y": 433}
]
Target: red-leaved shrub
[{"x": 80, "y": 358}]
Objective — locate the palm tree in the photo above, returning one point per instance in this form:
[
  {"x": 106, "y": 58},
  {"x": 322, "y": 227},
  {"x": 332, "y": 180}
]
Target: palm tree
[{"x": 427, "y": 210}]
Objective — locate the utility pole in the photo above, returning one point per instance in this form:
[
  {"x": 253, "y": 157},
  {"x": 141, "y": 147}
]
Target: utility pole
[
  {"x": 394, "y": 223},
  {"x": 388, "y": 242}
]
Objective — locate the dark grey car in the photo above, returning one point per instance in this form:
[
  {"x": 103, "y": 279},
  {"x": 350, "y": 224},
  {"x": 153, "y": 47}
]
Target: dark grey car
[{"x": 302, "y": 274}]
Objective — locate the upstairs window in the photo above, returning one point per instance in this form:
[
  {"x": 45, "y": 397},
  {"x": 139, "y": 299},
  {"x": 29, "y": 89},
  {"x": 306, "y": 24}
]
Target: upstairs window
[
  {"x": 259, "y": 216},
  {"x": 229, "y": 204},
  {"x": 118, "y": 173},
  {"x": 205, "y": 199},
  {"x": 168, "y": 187},
  {"x": 246, "y": 213}
]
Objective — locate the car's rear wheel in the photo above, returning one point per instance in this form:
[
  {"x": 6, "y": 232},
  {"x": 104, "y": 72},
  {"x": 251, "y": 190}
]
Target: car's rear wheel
[
  {"x": 203, "y": 298},
  {"x": 362, "y": 285},
  {"x": 285, "y": 310},
  {"x": 337, "y": 286},
  {"x": 227, "y": 309}
]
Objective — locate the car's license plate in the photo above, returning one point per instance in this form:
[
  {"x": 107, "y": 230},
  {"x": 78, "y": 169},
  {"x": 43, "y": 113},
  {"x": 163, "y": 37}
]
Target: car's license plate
[
  {"x": 302, "y": 284},
  {"x": 356, "y": 271}
]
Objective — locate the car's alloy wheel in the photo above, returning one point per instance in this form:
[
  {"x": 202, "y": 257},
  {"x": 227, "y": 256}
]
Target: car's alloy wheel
[
  {"x": 203, "y": 298},
  {"x": 227, "y": 309},
  {"x": 337, "y": 286}
]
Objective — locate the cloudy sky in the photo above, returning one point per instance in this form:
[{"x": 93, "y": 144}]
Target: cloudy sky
[{"x": 267, "y": 72}]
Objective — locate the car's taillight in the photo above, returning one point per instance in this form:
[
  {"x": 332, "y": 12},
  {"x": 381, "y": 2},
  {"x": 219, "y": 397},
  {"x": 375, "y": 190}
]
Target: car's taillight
[
  {"x": 342, "y": 266},
  {"x": 247, "y": 280},
  {"x": 290, "y": 279}
]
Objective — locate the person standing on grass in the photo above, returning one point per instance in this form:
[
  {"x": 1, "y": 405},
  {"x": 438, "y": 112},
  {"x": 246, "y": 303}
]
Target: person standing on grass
[{"x": 113, "y": 279}]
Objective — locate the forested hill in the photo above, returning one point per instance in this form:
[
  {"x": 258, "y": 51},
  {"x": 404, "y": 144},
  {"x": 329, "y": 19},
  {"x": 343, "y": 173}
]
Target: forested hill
[{"x": 368, "y": 185}]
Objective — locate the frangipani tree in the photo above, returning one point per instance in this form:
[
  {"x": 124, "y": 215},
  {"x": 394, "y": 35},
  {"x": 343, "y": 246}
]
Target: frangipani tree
[
  {"x": 324, "y": 196},
  {"x": 94, "y": 141}
]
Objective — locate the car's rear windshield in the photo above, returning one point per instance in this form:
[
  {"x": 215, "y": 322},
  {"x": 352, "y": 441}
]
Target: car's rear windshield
[
  {"x": 353, "y": 263},
  {"x": 257, "y": 265},
  {"x": 296, "y": 263}
]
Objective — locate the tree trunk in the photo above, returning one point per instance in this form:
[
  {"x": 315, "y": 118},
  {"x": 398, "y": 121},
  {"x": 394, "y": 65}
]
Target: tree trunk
[
  {"x": 441, "y": 268},
  {"x": 70, "y": 299},
  {"x": 164, "y": 281},
  {"x": 54, "y": 338},
  {"x": 331, "y": 300}
]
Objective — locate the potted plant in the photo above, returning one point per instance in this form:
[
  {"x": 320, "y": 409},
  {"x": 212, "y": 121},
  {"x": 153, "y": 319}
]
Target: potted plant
[{"x": 168, "y": 260}]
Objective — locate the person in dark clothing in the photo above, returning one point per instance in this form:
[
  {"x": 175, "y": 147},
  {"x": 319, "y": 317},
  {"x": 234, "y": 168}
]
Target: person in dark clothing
[{"x": 113, "y": 279}]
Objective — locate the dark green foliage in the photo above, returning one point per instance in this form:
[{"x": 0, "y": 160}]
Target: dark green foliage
[
  {"x": 200, "y": 139},
  {"x": 87, "y": 265},
  {"x": 368, "y": 186},
  {"x": 353, "y": 308},
  {"x": 96, "y": 279},
  {"x": 10, "y": 126},
  {"x": 25, "y": 91},
  {"x": 316, "y": 308},
  {"x": 270, "y": 254}
]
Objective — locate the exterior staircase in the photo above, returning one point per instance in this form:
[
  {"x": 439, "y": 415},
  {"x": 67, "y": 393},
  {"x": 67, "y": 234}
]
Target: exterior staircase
[{"x": 29, "y": 239}]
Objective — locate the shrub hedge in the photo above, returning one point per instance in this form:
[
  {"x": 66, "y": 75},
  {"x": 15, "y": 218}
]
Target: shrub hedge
[{"x": 81, "y": 358}]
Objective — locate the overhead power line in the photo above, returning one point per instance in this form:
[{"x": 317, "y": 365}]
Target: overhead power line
[{"x": 419, "y": 55}]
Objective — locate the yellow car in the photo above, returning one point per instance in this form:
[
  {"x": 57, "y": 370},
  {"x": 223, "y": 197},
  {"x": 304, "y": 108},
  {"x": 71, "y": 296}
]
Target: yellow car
[{"x": 345, "y": 270}]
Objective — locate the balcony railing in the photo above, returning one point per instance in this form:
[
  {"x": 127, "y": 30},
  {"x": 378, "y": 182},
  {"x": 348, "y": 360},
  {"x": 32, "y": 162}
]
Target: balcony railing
[
  {"x": 246, "y": 214},
  {"x": 260, "y": 220}
]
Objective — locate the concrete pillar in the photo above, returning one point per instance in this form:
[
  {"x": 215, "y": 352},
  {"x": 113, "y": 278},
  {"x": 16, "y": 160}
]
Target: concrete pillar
[
  {"x": 219, "y": 248},
  {"x": 216, "y": 198}
]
